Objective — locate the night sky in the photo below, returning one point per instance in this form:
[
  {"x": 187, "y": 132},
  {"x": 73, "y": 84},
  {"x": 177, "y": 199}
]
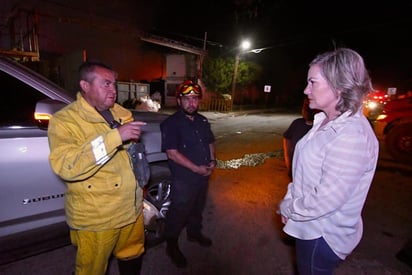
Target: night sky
[
  {"x": 295, "y": 31},
  {"x": 292, "y": 32}
]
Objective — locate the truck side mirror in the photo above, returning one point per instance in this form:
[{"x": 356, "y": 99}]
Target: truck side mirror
[{"x": 44, "y": 110}]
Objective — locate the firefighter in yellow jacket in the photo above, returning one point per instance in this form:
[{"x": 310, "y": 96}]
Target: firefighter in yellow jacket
[{"x": 103, "y": 201}]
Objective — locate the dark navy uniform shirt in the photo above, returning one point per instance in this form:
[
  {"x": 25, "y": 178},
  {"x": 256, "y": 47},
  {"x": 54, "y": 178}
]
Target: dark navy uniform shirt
[{"x": 190, "y": 138}]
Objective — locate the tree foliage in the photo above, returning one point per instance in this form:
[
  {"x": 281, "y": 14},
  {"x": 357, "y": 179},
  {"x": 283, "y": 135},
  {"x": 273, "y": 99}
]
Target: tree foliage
[{"x": 218, "y": 74}]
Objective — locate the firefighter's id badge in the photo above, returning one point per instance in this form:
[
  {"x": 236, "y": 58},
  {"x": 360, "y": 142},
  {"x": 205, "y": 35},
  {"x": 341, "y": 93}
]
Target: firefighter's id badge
[{"x": 99, "y": 150}]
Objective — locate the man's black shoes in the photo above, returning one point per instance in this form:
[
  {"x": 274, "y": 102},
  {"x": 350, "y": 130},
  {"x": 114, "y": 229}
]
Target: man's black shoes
[
  {"x": 176, "y": 255},
  {"x": 200, "y": 239}
]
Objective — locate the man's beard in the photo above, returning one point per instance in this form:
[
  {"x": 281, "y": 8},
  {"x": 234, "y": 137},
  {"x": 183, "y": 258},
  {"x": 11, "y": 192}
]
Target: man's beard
[{"x": 189, "y": 113}]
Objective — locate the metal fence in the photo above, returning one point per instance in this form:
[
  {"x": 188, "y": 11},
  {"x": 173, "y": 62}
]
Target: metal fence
[{"x": 216, "y": 104}]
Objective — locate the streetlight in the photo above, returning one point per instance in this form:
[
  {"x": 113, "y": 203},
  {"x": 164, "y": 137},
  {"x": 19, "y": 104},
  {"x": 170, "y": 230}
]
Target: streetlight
[{"x": 244, "y": 46}]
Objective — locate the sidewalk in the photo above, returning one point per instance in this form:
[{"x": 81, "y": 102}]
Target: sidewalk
[{"x": 238, "y": 111}]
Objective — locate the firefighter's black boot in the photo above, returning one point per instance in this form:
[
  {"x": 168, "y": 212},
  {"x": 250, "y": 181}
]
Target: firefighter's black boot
[{"x": 173, "y": 251}]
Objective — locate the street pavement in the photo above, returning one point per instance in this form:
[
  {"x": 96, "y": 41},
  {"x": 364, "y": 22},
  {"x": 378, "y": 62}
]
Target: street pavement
[{"x": 240, "y": 218}]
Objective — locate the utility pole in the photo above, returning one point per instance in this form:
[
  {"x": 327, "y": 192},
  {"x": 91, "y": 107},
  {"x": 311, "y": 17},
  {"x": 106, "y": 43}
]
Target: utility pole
[
  {"x": 243, "y": 47},
  {"x": 237, "y": 58}
]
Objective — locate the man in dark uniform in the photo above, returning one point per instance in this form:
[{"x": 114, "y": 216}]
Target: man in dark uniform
[{"x": 189, "y": 143}]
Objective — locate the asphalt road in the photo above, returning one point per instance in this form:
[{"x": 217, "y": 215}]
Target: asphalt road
[{"x": 240, "y": 214}]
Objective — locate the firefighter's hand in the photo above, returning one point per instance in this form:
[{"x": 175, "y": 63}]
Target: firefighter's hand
[
  {"x": 203, "y": 170},
  {"x": 212, "y": 164},
  {"x": 131, "y": 130}
]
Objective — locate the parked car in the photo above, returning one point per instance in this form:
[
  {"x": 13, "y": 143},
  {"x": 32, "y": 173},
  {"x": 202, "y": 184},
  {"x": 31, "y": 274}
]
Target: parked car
[
  {"x": 394, "y": 127},
  {"x": 32, "y": 217}
]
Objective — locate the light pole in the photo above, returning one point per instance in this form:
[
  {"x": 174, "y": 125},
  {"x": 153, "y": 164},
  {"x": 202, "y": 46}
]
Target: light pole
[{"x": 244, "y": 46}]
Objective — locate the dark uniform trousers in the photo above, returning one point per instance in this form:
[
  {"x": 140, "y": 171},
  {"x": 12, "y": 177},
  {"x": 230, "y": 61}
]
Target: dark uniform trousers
[{"x": 188, "y": 201}]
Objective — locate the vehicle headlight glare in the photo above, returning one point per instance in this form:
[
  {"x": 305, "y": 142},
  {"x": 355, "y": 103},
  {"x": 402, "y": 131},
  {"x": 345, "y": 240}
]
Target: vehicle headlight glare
[
  {"x": 381, "y": 117},
  {"x": 372, "y": 105}
]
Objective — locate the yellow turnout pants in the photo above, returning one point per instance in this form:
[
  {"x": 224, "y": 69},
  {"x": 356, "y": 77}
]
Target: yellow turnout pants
[{"x": 95, "y": 248}]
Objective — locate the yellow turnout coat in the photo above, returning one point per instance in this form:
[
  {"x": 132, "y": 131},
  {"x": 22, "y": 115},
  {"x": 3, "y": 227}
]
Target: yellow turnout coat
[{"x": 102, "y": 192}]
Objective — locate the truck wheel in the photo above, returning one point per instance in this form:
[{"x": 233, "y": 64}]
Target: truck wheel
[{"x": 399, "y": 142}]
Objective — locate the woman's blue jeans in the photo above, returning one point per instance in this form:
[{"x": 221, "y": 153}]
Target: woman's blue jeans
[{"x": 315, "y": 257}]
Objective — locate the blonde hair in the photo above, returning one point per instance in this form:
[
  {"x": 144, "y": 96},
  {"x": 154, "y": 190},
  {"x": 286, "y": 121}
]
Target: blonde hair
[{"x": 346, "y": 74}]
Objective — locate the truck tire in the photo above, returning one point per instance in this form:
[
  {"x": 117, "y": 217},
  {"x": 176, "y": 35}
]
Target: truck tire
[{"x": 399, "y": 142}]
